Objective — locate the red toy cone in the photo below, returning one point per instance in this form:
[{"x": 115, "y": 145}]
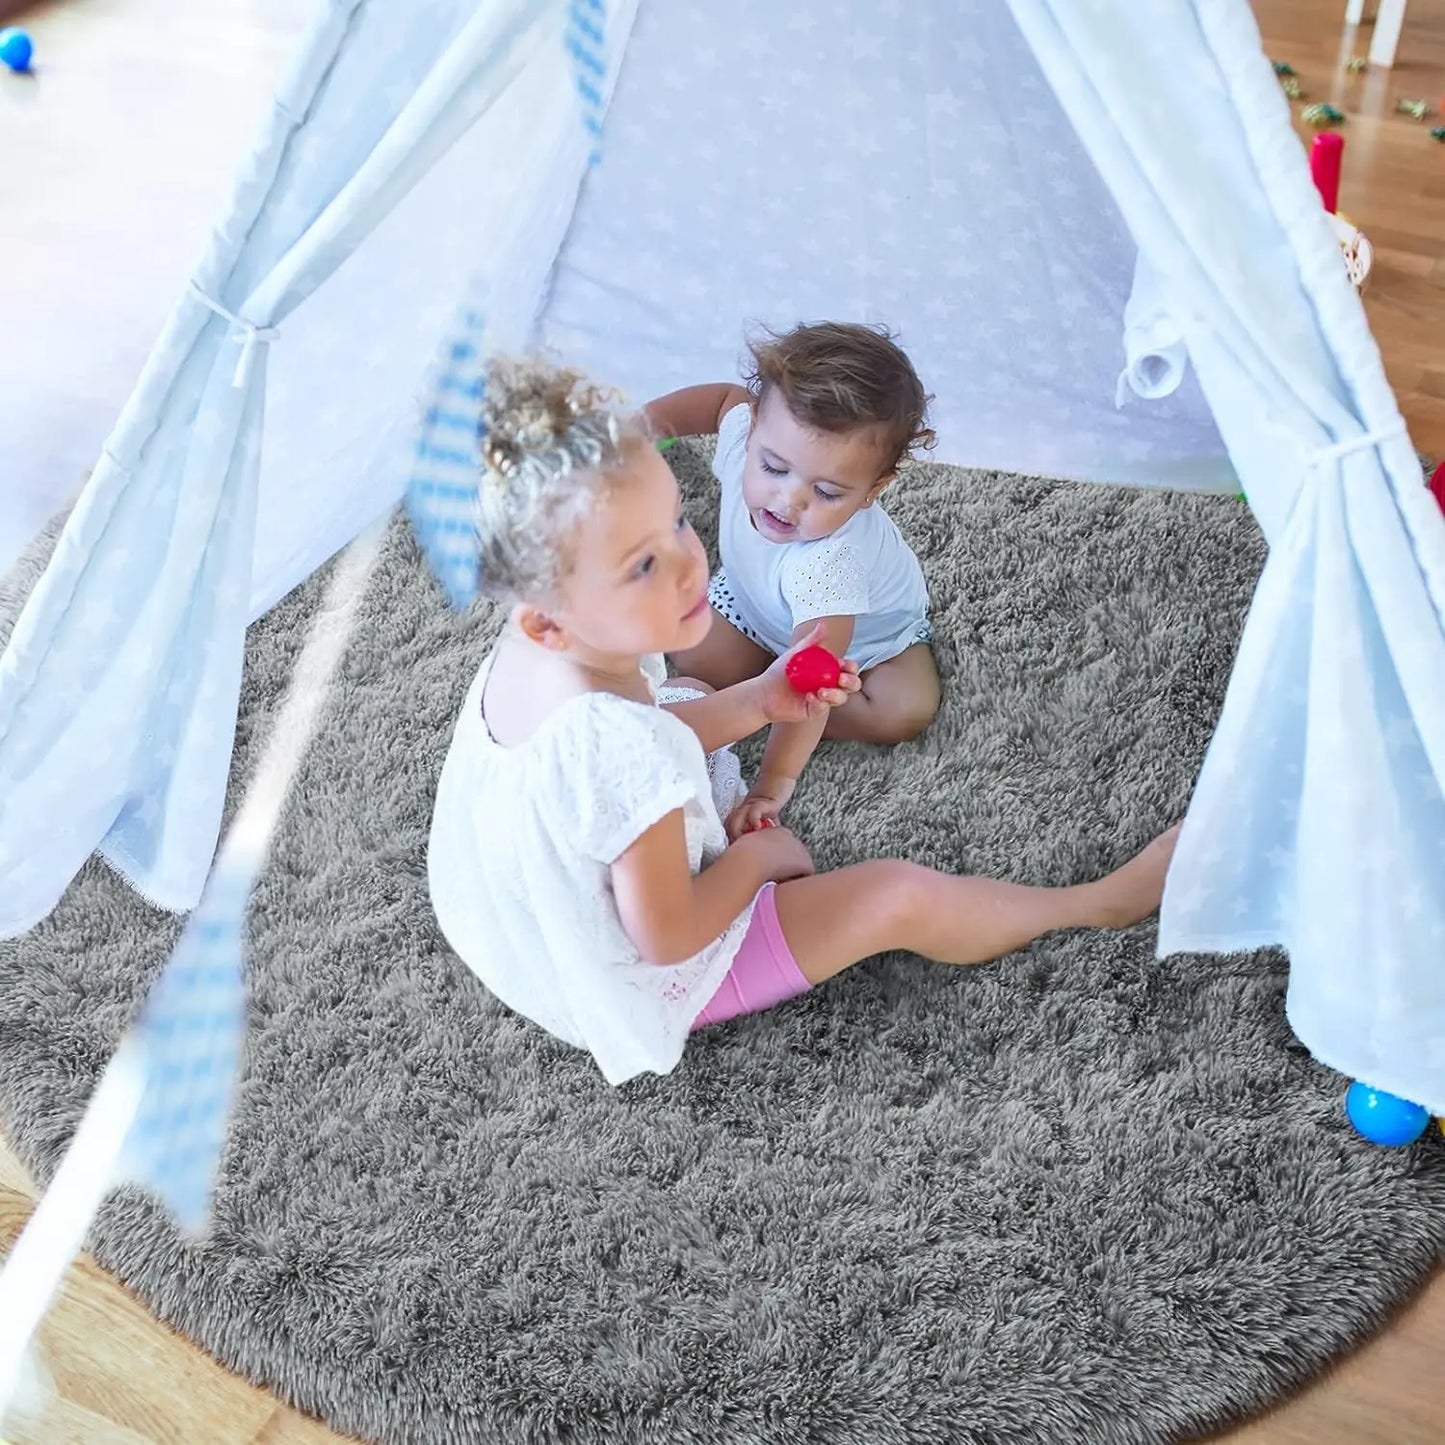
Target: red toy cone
[{"x": 1326, "y": 154}]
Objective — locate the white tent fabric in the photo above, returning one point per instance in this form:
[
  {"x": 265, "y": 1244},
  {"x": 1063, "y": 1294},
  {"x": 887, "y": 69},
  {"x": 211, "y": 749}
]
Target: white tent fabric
[
  {"x": 905, "y": 162},
  {"x": 348, "y": 384},
  {"x": 141, "y": 613},
  {"x": 1155, "y": 356},
  {"x": 1318, "y": 813},
  {"x": 900, "y": 162}
]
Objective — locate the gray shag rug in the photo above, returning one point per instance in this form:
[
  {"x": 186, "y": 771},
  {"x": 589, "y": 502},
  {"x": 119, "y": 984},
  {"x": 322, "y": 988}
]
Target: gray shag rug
[{"x": 1081, "y": 1195}]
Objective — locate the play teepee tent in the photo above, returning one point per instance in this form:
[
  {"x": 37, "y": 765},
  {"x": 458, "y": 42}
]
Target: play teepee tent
[{"x": 995, "y": 180}]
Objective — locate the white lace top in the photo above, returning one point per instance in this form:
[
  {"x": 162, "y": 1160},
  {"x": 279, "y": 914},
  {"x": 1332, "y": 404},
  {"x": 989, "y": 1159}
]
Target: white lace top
[
  {"x": 518, "y": 868},
  {"x": 865, "y": 570}
]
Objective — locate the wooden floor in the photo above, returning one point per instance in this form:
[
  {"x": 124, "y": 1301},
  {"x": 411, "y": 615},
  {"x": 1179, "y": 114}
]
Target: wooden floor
[
  {"x": 1393, "y": 183},
  {"x": 123, "y": 1379}
]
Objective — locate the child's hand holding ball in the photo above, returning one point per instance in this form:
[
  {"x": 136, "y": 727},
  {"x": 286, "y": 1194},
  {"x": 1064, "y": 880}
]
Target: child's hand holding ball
[{"x": 806, "y": 681}]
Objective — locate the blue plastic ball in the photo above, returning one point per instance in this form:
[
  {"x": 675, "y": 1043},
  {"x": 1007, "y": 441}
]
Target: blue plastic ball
[
  {"x": 16, "y": 49},
  {"x": 1385, "y": 1118}
]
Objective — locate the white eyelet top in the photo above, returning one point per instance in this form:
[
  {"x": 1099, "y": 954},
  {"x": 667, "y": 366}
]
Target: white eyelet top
[{"x": 518, "y": 865}]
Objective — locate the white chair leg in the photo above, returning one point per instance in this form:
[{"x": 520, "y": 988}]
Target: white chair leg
[
  {"x": 1388, "y": 22},
  {"x": 1354, "y": 12}
]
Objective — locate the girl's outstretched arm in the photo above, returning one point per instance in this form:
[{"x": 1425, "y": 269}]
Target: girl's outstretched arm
[
  {"x": 669, "y": 913},
  {"x": 730, "y": 714},
  {"x": 723, "y": 718},
  {"x": 695, "y": 410}
]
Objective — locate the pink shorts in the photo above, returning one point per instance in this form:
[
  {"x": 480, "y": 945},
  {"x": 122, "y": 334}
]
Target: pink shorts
[{"x": 764, "y": 971}]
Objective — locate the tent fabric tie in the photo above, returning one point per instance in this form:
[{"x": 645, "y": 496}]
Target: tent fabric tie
[
  {"x": 248, "y": 333},
  {"x": 1365, "y": 442}
]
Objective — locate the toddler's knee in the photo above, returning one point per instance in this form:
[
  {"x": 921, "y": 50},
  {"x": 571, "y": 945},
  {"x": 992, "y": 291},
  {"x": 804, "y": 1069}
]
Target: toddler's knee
[
  {"x": 916, "y": 716},
  {"x": 905, "y": 718}
]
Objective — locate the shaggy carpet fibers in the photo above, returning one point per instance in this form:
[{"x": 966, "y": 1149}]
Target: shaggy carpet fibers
[{"x": 1080, "y": 1195}]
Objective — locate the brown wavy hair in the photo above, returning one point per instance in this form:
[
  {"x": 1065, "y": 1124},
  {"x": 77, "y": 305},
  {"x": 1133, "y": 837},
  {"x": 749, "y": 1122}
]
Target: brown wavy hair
[{"x": 839, "y": 376}]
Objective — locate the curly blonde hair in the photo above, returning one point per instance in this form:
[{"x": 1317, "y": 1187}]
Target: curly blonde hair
[
  {"x": 837, "y": 376},
  {"x": 551, "y": 440}
]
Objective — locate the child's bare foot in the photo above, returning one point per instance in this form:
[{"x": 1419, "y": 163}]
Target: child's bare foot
[{"x": 1131, "y": 893}]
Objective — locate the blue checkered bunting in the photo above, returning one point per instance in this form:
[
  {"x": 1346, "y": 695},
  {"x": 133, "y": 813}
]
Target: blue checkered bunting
[
  {"x": 587, "y": 46},
  {"x": 441, "y": 496},
  {"x": 190, "y": 1034}
]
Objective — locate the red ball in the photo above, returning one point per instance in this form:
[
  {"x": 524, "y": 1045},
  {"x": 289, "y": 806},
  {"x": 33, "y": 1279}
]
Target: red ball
[{"x": 813, "y": 669}]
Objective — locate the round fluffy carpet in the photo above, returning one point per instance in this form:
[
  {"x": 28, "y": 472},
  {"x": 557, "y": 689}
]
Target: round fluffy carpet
[{"x": 1081, "y": 1195}]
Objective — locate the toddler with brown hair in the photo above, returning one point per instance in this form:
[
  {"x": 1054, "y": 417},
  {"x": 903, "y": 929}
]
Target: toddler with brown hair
[{"x": 804, "y": 452}]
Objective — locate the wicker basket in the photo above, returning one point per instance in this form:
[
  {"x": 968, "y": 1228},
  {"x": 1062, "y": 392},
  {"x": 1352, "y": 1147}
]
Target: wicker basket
[{"x": 1356, "y": 249}]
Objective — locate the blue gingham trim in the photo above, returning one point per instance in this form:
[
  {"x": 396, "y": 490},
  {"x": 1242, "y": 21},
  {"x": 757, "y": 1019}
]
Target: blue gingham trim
[
  {"x": 190, "y": 1034},
  {"x": 587, "y": 45},
  {"x": 441, "y": 498}
]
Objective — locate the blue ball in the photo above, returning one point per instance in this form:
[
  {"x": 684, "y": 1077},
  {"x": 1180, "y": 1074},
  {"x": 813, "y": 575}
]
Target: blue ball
[
  {"x": 16, "y": 49},
  {"x": 1385, "y": 1118}
]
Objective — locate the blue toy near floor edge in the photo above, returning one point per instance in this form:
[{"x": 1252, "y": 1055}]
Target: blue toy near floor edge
[
  {"x": 1385, "y": 1118},
  {"x": 16, "y": 50}
]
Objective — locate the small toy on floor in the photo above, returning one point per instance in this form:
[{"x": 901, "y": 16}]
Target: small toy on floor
[
  {"x": 1416, "y": 109},
  {"x": 1326, "y": 157},
  {"x": 1385, "y": 1118},
  {"x": 1439, "y": 132},
  {"x": 1288, "y": 83},
  {"x": 16, "y": 50},
  {"x": 1356, "y": 63},
  {"x": 813, "y": 669},
  {"x": 1355, "y": 248},
  {"x": 1321, "y": 115}
]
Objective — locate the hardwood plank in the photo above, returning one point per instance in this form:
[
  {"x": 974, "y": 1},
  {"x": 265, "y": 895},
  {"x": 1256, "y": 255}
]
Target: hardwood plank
[
  {"x": 64, "y": 1423},
  {"x": 1385, "y": 1393},
  {"x": 123, "y": 1378},
  {"x": 1392, "y": 184},
  {"x": 286, "y": 1427}
]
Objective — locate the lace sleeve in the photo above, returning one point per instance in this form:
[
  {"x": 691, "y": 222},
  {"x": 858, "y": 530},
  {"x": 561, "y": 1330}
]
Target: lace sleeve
[
  {"x": 825, "y": 579},
  {"x": 625, "y": 767},
  {"x": 654, "y": 669}
]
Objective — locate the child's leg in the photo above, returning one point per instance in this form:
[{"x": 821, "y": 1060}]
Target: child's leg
[
  {"x": 724, "y": 657},
  {"x": 898, "y": 699},
  {"x": 834, "y": 920}
]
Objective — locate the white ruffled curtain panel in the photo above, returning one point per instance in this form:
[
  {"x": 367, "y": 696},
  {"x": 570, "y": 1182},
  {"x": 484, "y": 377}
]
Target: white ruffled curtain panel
[
  {"x": 119, "y": 688},
  {"x": 1317, "y": 819}
]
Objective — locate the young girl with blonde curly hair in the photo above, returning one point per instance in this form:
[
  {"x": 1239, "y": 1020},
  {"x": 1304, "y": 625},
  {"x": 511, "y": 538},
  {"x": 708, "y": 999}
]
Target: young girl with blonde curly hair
[{"x": 577, "y": 860}]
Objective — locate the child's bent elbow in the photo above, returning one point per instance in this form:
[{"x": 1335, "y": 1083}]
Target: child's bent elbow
[
  {"x": 666, "y": 953},
  {"x": 665, "y": 936}
]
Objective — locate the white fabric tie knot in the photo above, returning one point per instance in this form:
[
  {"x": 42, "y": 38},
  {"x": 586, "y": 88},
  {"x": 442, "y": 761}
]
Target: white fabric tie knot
[
  {"x": 1364, "y": 442},
  {"x": 248, "y": 333}
]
